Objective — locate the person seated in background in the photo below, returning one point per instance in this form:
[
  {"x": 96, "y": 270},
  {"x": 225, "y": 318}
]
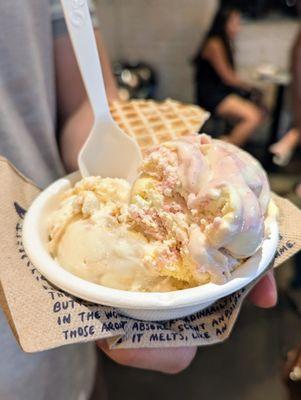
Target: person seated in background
[{"x": 219, "y": 89}]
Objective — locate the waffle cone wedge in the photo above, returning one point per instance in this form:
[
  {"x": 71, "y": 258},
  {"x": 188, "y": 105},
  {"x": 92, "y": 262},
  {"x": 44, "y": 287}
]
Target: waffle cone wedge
[{"x": 151, "y": 122}]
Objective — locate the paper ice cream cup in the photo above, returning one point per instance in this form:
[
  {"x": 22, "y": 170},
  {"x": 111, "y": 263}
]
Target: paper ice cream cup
[{"x": 140, "y": 305}]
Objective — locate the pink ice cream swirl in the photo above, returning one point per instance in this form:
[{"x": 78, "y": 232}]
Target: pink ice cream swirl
[
  {"x": 220, "y": 171},
  {"x": 222, "y": 191}
]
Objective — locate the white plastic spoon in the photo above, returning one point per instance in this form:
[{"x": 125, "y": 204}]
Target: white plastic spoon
[{"x": 108, "y": 151}]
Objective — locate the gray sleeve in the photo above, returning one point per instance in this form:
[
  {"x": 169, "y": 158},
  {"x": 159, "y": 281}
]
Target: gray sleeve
[{"x": 57, "y": 17}]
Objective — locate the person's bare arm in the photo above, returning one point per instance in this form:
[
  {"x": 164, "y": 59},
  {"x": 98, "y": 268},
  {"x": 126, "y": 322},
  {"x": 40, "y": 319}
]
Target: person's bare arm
[
  {"x": 215, "y": 53},
  {"x": 75, "y": 117},
  {"x": 296, "y": 75}
]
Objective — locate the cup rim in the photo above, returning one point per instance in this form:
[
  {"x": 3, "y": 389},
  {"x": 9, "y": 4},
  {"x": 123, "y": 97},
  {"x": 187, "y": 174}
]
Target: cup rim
[{"x": 57, "y": 275}]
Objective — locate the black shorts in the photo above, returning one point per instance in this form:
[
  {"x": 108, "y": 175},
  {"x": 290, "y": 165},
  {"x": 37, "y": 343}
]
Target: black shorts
[{"x": 211, "y": 99}]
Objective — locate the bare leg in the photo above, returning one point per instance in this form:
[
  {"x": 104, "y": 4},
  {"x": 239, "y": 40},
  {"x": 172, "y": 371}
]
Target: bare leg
[
  {"x": 284, "y": 148},
  {"x": 250, "y": 117}
]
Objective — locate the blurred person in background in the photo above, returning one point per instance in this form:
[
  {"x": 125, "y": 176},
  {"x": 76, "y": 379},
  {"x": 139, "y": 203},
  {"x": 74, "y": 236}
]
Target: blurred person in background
[
  {"x": 218, "y": 87},
  {"x": 45, "y": 117},
  {"x": 285, "y": 147}
]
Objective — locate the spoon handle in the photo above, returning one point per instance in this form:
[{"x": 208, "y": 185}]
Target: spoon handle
[{"x": 78, "y": 19}]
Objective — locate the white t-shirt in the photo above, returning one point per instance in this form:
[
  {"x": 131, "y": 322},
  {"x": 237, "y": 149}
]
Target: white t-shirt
[{"x": 28, "y": 139}]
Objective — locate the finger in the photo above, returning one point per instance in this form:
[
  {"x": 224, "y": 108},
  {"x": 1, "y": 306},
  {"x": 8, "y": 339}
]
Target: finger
[
  {"x": 264, "y": 294},
  {"x": 170, "y": 361}
]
